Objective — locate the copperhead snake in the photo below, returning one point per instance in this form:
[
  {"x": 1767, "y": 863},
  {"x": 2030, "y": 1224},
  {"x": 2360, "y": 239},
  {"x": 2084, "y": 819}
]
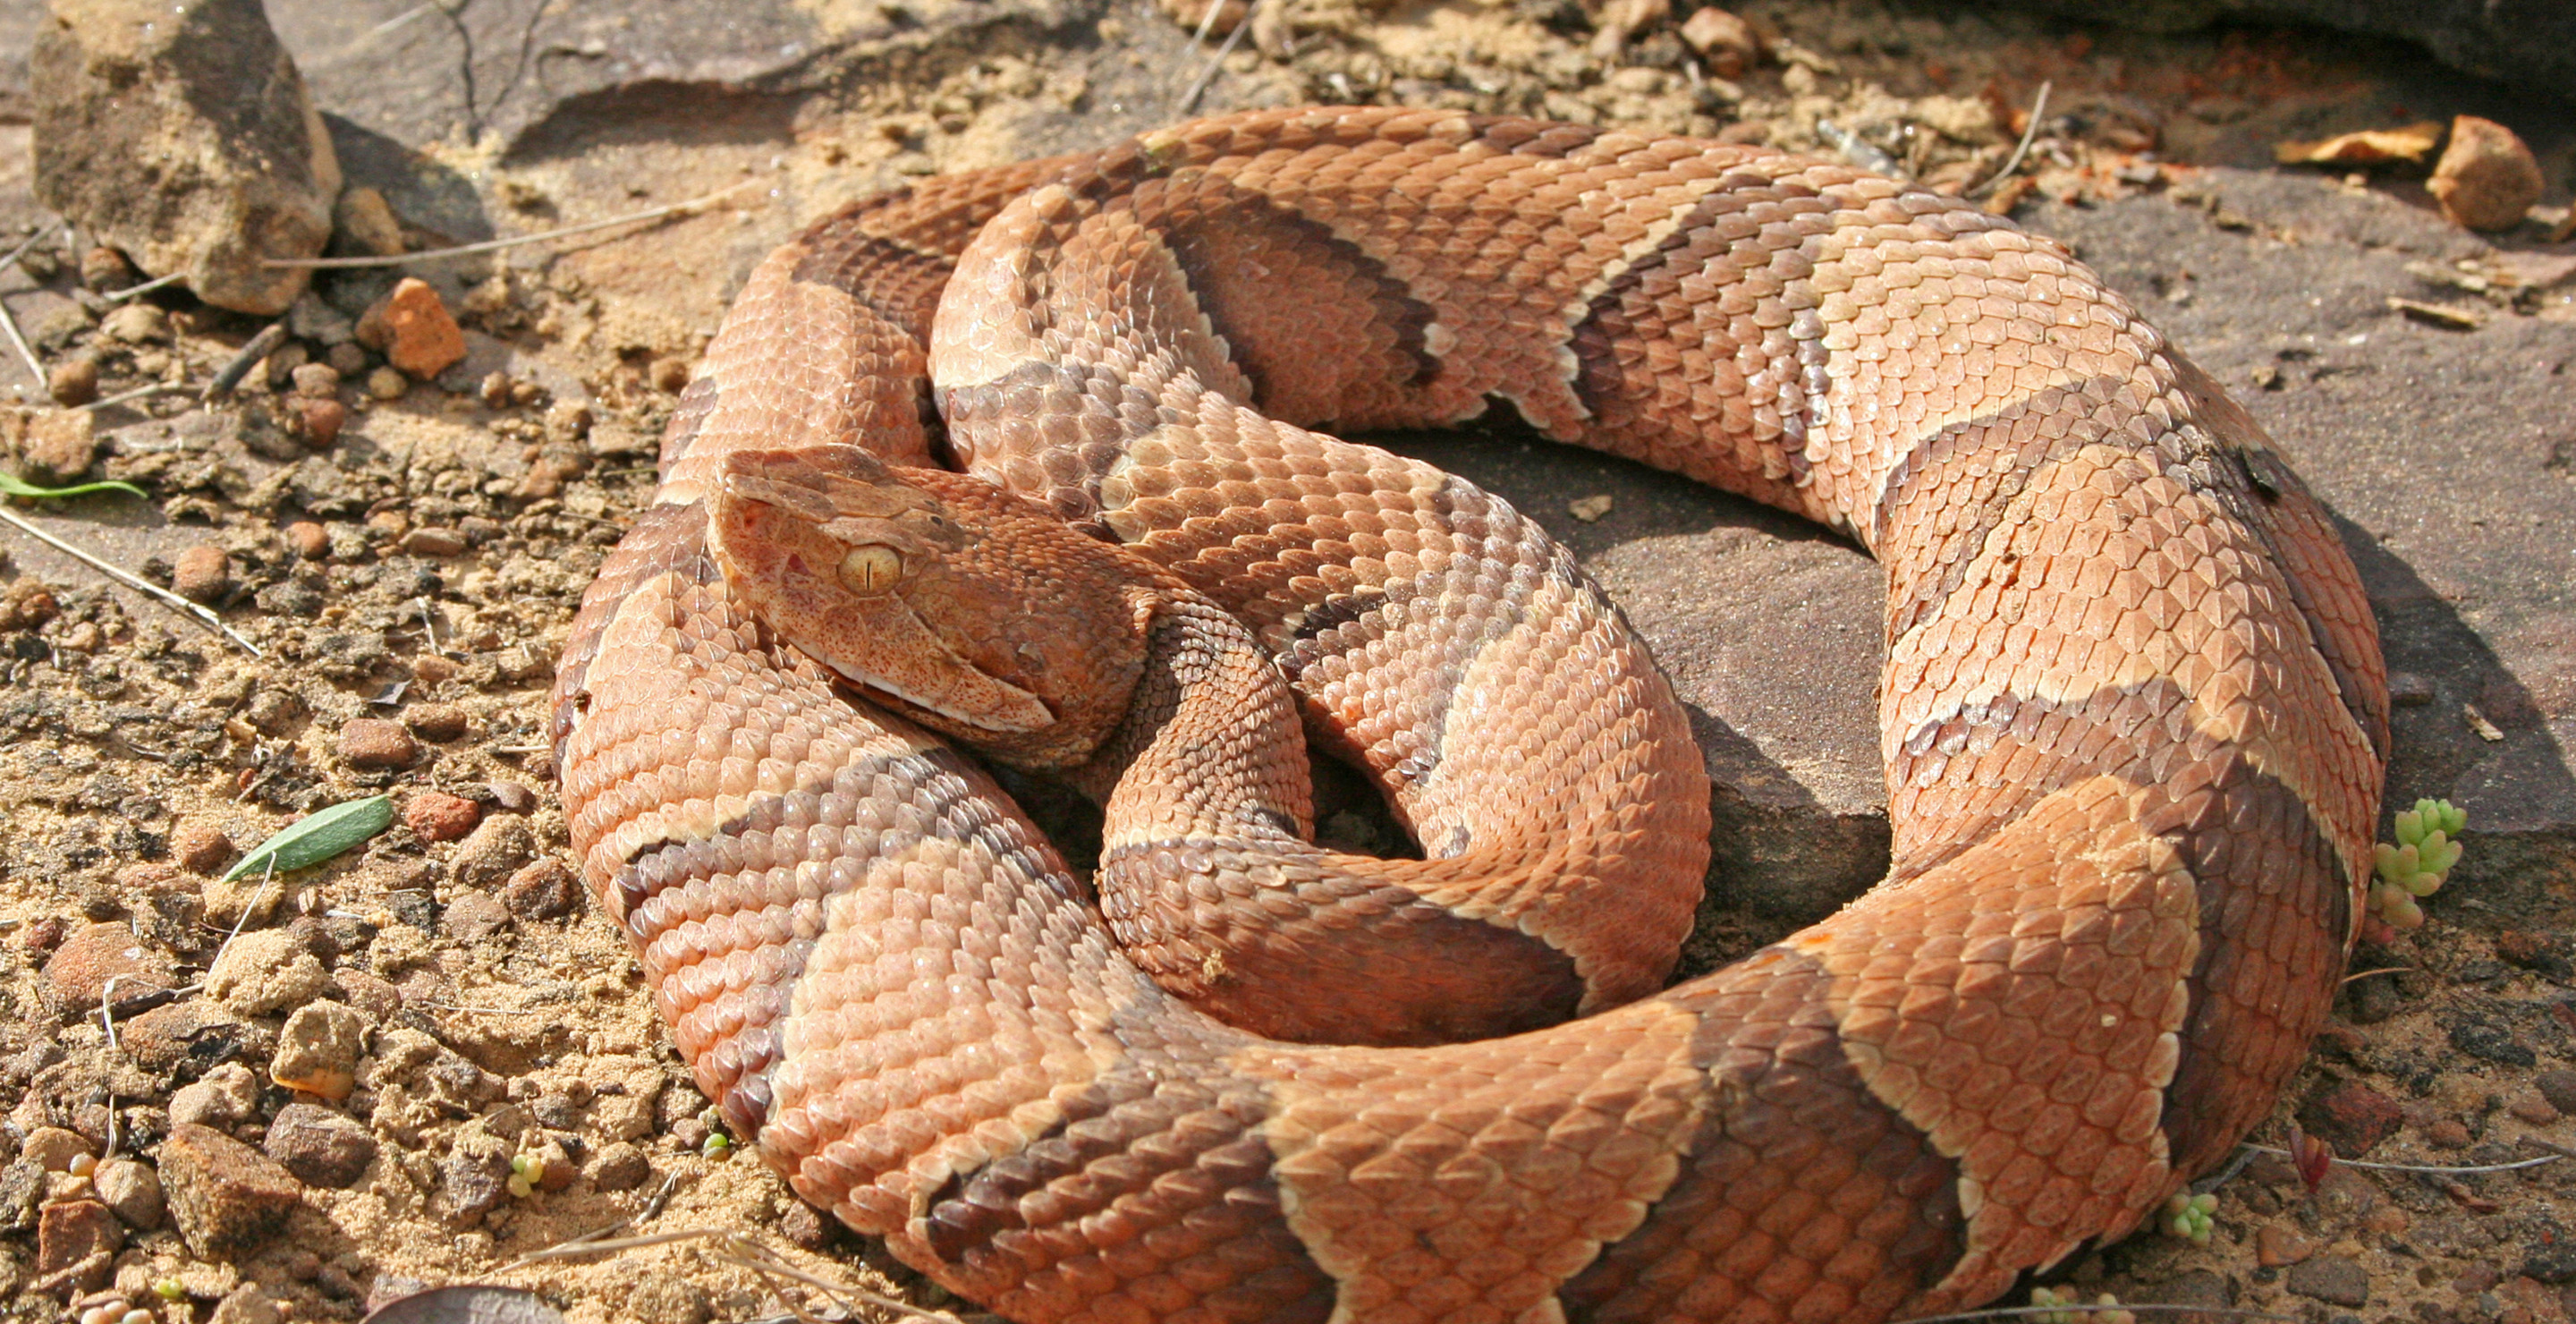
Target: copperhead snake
[{"x": 2134, "y": 718}]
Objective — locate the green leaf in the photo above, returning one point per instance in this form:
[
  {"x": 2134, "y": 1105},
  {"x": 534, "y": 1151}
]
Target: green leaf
[
  {"x": 319, "y": 836},
  {"x": 12, "y": 485}
]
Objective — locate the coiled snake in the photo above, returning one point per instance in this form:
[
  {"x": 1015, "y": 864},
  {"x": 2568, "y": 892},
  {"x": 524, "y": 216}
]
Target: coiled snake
[{"x": 2134, "y": 720}]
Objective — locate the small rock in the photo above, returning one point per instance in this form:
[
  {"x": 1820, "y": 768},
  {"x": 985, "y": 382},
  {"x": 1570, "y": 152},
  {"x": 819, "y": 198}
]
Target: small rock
[
  {"x": 511, "y": 797},
  {"x": 2559, "y": 1087},
  {"x": 318, "y": 380},
  {"x": 2352, "y": 1117},
  {"x": 495, "y": 390},
  {"x": 136, "y": 324},
  {"x": 69, "y": 1232},
  {"x": 432, "y": 540},
  {"x": 311, "y": 541},
  {"x": 475, "y": 1177},
  {"x": 1727, "y": 41},
  {"x": 226, "y": 1197},
  {"x": 133, "y": 1190},
  {"x": 807, "y": 1228},
  {"x": 246, "y": 1304},
  {"x": 370, "y": 742},
  {"x": 2553, "y": 1263},
  {"x": 364, "y": 222},
  {"x": 619, "y": 1166},
  {"x": 53, "y": 1148},
  {"x": 317, "y": 1051},
  {"x": 2487, "y": 179},
  {"x": 543, "y": 890},
  {"x": 228, "y": 1096},
  {"x": 265, "y": 972},
  {"x": 192, "y": 1033},
  {"x": 2480, "y": 1037},
  {"x": 186, "y": 140},
  {"x": 105, "y": 270},
  {"x": 61, "y": 445},
  {"x": 413, "y": 330},
  {"x": 346, "y": 355},
  {"x": 2448, "y": 1133},
  {"x": 200, "y": 847},
  {"x": 73, "y": 382},
  {"x": 494, "y": 852},
  {"x": 670, "y": 375},
  {"x": 473, "y": 916},
  {"x": 201, "y": 573},
  {"x": 2331, "y": 1279},
  {"x": 77, "y": 975},
  {"x": 26, "y": 605},
  {"x": 321, "y": 1147},
  {"x": 317, "y": 422},
  {"x": 387, "y": 384},
  {"x": 372, "y": 996},
  {"x": 440, "y": 722},
  {"x": 438, "y": 816}
]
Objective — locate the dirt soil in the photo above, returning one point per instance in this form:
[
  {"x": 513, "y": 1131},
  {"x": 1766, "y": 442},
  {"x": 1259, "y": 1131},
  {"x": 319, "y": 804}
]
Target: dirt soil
[{"x": 407, "y": 588}]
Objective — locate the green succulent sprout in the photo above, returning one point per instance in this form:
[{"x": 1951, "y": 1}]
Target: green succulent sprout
[
  {"x": 2415, "y": 867},
  {"x": 169, "y": 1289},
  {"x": 718, "y": 1147},
  {"x": 2105, "y": 1309},
  {"x": 526, "y": 1170},
  {"x": 2191, "y": 1217}
]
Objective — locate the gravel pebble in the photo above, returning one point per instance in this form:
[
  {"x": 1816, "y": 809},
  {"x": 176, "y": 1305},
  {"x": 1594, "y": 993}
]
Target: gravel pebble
[
  {"x": 226, "y": 1197},
  {"x": 2559, "y": 1087},
  {"x": 73, "y": 382},
  {"x": 370, "y": 742},
  {"x": 201, "y": 573},
  {"x": 311, "y": 541},
  {"x": 53, "y": 1148},
  {"x": 227, "y": 1097},
  {"x": 77, "y": 974},
  {"x": 317, "y": 379},
  {"x": 511, "y": 797},
  {"x": 2352, "y": 1117},
  {"x": 200, "y": 846},
  {"x": 433, "y": 541},
  {"x": 133, "y": 1190},
  {"x": 670, "y": 375},
  {"x": 317, "y": 1050},
  {"x": 619, "y": 1166},
  {"x": 2332, "y": 1279},
  {"x": 545, "y": 889},
  {"x": 437, "y": 722},
  {"x": 318, "y": 422},
  {"x": 71, "y": 1231},
  {"x": 321, "y": 1147},
  {"x": 494, "y": 852},
  {"x": 438, "y": 816},
  {"x": 61, "y": 445},
  {"x": 265, "y": 972},
  {"x": 387, "y": 384},
  {"x": 473, "y": 916},
  {"x": 412, "y": 328},
  {"x": 136, "y": 324},
  {"x": 2487, "y": 179}
]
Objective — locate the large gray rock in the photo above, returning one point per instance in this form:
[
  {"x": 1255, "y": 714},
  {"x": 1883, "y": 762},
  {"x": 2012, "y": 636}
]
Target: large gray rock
[{"x": 180, "y": 132}]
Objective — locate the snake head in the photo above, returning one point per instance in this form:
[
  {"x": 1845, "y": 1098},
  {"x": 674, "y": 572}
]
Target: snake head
[{"x": 973, "y": 611}]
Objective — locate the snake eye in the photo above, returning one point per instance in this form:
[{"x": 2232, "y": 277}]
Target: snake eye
[{"x": 871, "y": 568}]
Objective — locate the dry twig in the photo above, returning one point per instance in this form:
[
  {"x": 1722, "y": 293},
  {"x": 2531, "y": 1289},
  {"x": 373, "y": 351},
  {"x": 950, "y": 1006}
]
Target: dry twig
[
  {"x": 514, "y": 241},
  {"x": 201, "y": 614}
]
